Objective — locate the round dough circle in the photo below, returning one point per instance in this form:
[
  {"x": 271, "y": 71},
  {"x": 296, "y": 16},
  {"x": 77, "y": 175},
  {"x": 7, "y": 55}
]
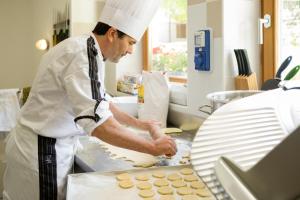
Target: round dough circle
[
  {"x": 144, "y": 185},
  {"x": 167, "y": 197},
  {"x": 178, "y": 184},
  {"x": 186, "y": 171},
  {"x": 190, "y": 197},
  {"x": 174, "y": 177},
  {"x": 165, "y": 190},
  {"x": 197, "y": 185},
  {"x": 146, "y": 193},
  {"x": 161, "y": 183},
  {"x": 142, "y": 177},
  {"x": 125, "y": 184},
  {"x": 159, "y": 174},
  {"x": 184, "y": 191},
  {"x": 122, "y": 177},
  {"x": 202, "y": 193},
  {"x": 190, "y": 178}
]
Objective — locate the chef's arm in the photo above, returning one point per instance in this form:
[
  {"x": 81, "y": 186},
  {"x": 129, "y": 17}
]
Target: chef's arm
[
  {"x": 149, "y": 125},
  {"x": 112, "y": 132}
]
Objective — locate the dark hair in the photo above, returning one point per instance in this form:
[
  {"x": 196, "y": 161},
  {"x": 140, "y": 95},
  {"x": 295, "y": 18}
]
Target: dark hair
[{"x": 101, "y": 29}]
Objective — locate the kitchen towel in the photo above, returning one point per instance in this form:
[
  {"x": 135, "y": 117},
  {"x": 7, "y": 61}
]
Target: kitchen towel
[{"x": 9, "y": 109}]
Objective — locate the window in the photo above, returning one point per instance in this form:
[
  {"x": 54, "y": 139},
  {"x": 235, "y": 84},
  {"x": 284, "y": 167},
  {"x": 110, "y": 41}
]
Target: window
[
  {"x": 282, "y": 38},
  {"x": 167, "y": 40},
  {"x": 289, "y": 35}
]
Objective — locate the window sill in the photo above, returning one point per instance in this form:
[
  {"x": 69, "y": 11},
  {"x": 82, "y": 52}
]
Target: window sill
[{"x": 177, "y": 79}]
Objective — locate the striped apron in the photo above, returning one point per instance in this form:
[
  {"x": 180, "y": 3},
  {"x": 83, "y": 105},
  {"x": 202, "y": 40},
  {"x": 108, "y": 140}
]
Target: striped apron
[{"x": 37, "y": 166}]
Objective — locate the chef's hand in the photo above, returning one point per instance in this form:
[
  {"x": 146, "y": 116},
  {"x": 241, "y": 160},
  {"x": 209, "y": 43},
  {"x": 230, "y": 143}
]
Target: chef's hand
[
  {"x": 153, "y": 127},
  {"x": 164, "y": 145}
]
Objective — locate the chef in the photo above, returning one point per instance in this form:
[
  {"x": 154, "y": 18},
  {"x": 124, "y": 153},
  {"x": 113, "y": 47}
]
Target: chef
[{"x": 68, "y": 99}]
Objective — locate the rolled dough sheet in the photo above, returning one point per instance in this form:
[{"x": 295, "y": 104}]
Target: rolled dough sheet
[{"x": 138, "y": 159}]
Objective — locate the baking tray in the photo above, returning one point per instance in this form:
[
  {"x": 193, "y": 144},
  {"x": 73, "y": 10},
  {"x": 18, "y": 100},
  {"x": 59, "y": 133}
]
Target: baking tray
[{"x": 104, "y": 186}]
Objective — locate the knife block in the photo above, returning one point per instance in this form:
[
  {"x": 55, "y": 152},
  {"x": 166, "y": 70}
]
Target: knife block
[{"x": 246, "y": 82}]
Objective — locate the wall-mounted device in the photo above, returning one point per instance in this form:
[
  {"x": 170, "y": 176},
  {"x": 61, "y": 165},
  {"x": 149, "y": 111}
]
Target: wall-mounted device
[{"x": 203, "y": 42}]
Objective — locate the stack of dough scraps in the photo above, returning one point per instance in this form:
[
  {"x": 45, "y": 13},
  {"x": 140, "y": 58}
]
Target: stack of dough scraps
[
  {"x": 181, "y": 184},
  {"x": 186, "y": 158},
  {"x": 171, "y": 130}
]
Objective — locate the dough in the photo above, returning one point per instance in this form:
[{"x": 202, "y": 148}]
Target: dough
[
  {"x": 167, "y": 197},
  {"x": 174, "y": 177},
  {"x": 158, "y": 174},
  {"x": 171, "y": 130},
  {"x": 190, "y": 178},
  {"x": 190, "y": 197},
  {"x": 146, "y": 193},
  {"x": 144, "y": 165},
  {"x": 178, "y": 184},
  {"x": 186, "y": 171},
  {"x": 165, "y": 190},
  {"x": 184, "y": 161},
  {"x": 126, "y": 184},
  {"x": 122, "y": 177},
  {"x": 184, "y": 191},
  {"x": 161, "y": 183},
  {"x": 189, "y": 126},
  {"x": 138, "y": 159},
  {"x": 144, "y": 185},
  {"x": 202, "y": 192},
  {"x": 142, "y": 177},
  {"x": 197, "y": 185}
]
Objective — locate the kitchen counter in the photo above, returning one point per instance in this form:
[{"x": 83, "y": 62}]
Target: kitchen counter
[{"x": 93, "y": 158}]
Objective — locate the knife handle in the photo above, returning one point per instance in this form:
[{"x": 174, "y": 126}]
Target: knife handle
[
  {"x": 292, "y": 73},
  {"x": 238, "y": 61},
  {"x": 246, "y": 61}
]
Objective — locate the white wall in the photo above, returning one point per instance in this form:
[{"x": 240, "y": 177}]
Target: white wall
[
  {"x": 234, "y": 26},
  {"x": 22, "y": 24},
  {"x": 241, "y": 32},
  {"x": 84, "y": 15},
  {"x": 202, "y": 83},
  {"x": 16, "y": 43}
]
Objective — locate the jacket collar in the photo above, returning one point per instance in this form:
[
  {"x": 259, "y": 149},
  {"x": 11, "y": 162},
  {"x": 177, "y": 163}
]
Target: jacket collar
[{"x": 97, "y": 46}]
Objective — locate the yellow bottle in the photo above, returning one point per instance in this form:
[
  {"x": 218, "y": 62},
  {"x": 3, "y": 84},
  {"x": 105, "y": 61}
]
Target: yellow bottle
[{"x": 140, "y": 91}]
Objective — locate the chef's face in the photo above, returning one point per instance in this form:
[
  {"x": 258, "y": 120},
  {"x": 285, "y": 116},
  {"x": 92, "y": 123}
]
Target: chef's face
[{"x": 121, "y": 46}]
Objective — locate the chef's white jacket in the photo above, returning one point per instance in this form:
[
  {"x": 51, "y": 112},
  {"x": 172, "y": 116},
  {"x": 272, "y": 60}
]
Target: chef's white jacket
[
  {"x": 63, "y": 90},
  {"x": 67, "y": 99}
]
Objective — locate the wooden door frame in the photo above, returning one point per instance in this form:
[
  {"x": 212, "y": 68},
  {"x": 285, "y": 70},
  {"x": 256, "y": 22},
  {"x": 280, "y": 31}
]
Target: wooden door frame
[{"x": 269, "y": 51}]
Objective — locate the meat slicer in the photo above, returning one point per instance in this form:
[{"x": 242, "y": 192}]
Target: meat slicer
[{"x": 249, "y": 148}]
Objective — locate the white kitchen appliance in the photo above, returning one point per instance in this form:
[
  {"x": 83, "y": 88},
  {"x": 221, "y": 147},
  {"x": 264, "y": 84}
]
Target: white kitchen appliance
[{"x": 243, "y": 132}]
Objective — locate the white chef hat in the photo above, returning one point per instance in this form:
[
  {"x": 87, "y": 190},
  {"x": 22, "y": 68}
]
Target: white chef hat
[{"x": 129, "y": 16}]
